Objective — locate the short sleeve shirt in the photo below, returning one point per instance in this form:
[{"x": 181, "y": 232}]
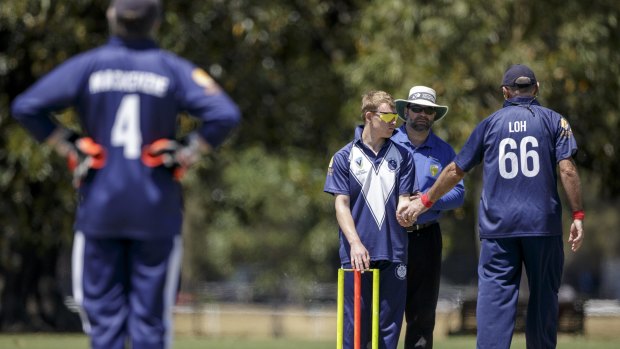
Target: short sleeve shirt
[
  {"x": 519, "y": 146},
  {"x": 373, "y": 182}
]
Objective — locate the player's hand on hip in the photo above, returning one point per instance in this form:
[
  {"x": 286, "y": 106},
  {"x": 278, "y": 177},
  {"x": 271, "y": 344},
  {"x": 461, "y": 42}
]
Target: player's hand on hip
[
  {"x": 82, "y": 153},
  {"x": 576, "y": 234},
  {"x": 192, "y": 151},
  {"x": 176, "y": 156}
]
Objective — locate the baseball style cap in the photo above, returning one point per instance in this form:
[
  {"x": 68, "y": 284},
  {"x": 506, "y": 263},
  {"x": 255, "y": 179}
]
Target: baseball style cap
[
  {"x": 519, "y": 75},
  {"x": 137, "y": 14}
]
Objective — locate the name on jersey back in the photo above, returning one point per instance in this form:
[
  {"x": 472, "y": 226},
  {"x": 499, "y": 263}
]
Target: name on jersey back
[
  {"x": 517, "y": 126},
  {"x": 128, "y": 81}
]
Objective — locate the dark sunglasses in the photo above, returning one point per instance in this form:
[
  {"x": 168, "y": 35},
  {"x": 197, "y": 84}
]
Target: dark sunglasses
[{"x": 418, "y": 109}]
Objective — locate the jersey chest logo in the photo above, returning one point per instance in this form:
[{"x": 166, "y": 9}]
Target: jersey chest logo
[{"x": 377, "y": 182}]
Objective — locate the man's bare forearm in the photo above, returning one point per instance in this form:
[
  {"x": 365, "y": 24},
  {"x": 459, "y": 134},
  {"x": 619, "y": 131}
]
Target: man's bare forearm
[{"x": 571, "y": 183}]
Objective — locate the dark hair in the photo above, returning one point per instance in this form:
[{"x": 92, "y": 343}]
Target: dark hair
[
  {"x": 135, "y": 27},
  {"x": 522, "y": 90}
]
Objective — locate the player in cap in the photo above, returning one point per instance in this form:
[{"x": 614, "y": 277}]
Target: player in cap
[
  {"x": 521, "y": 147},
  {"x": 134, "y": 18},
  {"x": 519, "y": 75},
  {"x": 127, "y": 245}
]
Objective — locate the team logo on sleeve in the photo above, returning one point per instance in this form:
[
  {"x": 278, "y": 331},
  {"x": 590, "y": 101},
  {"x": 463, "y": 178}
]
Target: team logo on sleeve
[
  {"x": 201, "y": 78},
  {"x": 330, "y": 167},
  {"x": 566, "y": 130},
  {"x": 434, "y": 170}
]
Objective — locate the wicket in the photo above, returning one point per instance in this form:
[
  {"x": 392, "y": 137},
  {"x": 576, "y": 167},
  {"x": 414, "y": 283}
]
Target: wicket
[{"x": 357, "y": 308}]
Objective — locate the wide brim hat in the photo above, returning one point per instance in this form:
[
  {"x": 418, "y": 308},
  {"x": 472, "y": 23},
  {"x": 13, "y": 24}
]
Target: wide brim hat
[{"x": 421, "y": 95}]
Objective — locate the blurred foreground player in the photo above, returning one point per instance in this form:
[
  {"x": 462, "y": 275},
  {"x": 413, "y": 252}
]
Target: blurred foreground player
[
  {"x": 127, "y": 246},
  {"x": 520, "y": 146}
]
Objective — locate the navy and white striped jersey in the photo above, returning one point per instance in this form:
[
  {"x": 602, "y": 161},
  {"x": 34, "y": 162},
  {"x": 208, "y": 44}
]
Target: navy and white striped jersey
[
  {"x": 519, "y": 146},
  {"x": 373, "y": 183},
  {"x": 128, "y": 94}
]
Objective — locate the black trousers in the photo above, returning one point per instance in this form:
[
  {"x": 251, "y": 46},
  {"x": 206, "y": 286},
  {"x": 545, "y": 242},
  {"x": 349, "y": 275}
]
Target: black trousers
[{"x": 423, "y": 275}]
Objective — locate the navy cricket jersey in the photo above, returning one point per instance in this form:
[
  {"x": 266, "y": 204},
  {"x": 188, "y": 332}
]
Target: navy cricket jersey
[
  {"x": 128, "y": 94},
  {"x": 430, "y": 158},
  {"x": 520, "y": 146},
  {"x": 373, "y": 183}
]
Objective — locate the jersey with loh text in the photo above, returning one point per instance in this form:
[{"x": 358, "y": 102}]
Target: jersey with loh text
[
  {"x": 520, "y": 146},
  {"x": 373, "y": 183},
  {"x": 128, "y": 94}
]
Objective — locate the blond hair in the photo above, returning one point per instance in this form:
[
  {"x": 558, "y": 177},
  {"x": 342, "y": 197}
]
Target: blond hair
[{"x": 372, "y": 100}]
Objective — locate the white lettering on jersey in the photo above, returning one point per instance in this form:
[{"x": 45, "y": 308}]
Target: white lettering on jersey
[
  {"x": 128, "y": 81},
  {"x": 517, "y": 126},
  {"x": 377, "y": 183}
]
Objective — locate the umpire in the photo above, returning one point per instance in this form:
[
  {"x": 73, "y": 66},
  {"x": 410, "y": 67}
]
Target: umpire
[{"x": 430, "y": 155}]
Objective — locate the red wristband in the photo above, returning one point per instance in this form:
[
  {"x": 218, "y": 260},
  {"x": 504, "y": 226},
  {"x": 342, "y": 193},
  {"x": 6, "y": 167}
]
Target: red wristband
[
  {"x": 425, "y": 201},
  {"x": 580, "y": 215}
]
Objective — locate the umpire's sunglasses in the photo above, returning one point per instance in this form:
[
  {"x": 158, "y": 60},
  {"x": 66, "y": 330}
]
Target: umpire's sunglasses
[
  {"x": 418, "y": 109},
  {"x": 386, "y": 116}
]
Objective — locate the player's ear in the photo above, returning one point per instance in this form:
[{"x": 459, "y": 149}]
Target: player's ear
[
  {"x": 111, "y": 17},
  {"x": 505, "y": 92}
]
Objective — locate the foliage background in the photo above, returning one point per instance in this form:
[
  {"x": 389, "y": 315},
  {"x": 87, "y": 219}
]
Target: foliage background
[{"x": 256, "y": 210}]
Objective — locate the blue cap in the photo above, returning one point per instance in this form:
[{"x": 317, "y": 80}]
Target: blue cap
[
  {"x": 519, "y": 75},
  {"x": 142, "y": 11}
]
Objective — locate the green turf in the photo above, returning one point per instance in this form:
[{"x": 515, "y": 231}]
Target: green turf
[{"x": 55, "y": 341}]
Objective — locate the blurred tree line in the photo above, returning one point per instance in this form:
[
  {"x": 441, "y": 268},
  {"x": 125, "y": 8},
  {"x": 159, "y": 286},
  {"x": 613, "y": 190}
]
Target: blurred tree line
[{"x": 297, "y": 69}]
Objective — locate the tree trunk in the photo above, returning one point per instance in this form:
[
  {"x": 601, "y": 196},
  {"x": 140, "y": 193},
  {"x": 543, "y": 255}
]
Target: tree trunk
[{"x": 32, "y": 296}]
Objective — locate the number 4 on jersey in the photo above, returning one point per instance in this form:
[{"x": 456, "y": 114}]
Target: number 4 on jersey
[{"x": 126, "y": 128}]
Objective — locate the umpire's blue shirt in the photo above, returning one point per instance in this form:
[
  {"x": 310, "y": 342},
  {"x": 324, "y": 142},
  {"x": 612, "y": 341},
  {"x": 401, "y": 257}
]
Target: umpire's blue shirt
[{"x": 430, "y": 158}]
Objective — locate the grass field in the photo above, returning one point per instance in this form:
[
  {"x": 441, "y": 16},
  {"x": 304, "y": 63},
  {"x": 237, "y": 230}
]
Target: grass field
[{"x": 53, "y": 341}]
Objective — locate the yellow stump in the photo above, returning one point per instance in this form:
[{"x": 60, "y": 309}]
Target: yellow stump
[
  {"x": 340, "y": 311},
  {"x": 375, "y": 308}
]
